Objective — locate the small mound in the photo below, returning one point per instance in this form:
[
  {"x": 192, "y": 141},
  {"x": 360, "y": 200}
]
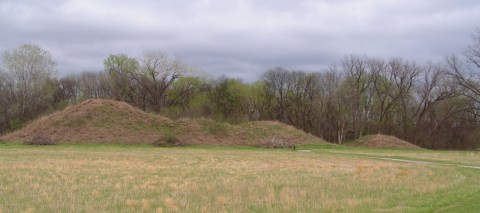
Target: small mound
[
  {"x": 256, "y": 133},
  {"x": 108, "y": 121},
  {"x": 383, "y": 141}
]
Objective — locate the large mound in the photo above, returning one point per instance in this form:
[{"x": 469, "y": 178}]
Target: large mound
[
  {"x": 95, "y": 121},
  {"x": 108, "y": 121},
  {"x": 383, "y": 141}
]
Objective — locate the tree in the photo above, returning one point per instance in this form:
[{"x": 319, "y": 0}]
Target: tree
[
  {"x": 158, "y": 73},
  {"x": 94, "y": 85},
  {"x": 468, "y": 77},
  {"x": 358, "y": 80},
  {"x": 121, "y": 70},
  {"x": 473, "y": 50},
  {"x": 303, "y": 97},
  {"x": 66, "y": 89},
  {"x": 278, "y": 83},
  {"x": 187, "y": 97},
  {"x": 229, "y": 99},
  {"x": 6, "y": 104},
  {"x": 332, "y": 118},
  {"x": 26, "y": 70}
]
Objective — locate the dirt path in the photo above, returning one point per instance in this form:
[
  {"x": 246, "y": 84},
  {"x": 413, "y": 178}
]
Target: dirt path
[{"x": 365, "y": 155}]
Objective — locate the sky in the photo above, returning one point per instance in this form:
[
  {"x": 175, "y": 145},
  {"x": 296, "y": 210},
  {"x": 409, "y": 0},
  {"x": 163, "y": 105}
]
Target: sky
[{"x": 239, "y": 38}]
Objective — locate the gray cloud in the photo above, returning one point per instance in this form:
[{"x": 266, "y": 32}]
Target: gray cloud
[{"x": 239, "y": 38}]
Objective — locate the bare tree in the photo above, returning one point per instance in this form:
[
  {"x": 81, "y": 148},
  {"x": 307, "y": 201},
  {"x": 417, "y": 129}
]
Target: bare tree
[
  {"x": 393, "y": 89},
  {"x": 158, "y": 72},
  {"x": 469, "y": 81},
  {"x": 358, "y": 80},
  {"x": 435, "y": 86},
  {"x": 94, "y": 85},
  {"x": 473, "y": 51},
  {"x": 466, "y": 76},
  {"x": 278, "y": 82},
  {"x": 66, "y": 89}
]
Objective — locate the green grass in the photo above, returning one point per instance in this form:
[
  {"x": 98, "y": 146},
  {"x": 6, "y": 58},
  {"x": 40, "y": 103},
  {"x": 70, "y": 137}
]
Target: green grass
[
  {"x": 439, "y": 156},
  {"x": 135, "y": 178},
  {"x": 214, "y": 127}
]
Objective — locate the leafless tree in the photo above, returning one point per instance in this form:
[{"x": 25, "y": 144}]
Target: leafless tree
[
  {"x": 278, "y": 82},
  {"x": 158, "y": 72},
  {"x": 473, "y": 51}
]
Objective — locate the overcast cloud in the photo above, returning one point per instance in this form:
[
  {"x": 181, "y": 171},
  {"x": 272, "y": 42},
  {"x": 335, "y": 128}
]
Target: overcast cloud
[{"x": 239, "y": 38}]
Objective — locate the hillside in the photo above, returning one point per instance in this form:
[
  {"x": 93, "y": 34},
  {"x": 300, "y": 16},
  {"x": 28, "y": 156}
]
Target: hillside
[{"x": 108, "y": 121}]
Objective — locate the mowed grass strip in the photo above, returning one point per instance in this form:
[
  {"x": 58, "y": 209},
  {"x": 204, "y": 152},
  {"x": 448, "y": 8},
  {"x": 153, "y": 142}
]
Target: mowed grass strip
[{"x": 135, "y": 179}]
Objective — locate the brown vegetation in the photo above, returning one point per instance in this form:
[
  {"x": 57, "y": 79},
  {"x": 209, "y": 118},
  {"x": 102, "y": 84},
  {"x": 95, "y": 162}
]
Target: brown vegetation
[
  {"x": 383, "y": 141},
  {"x": 108, "y": 121},
  {"x": 40, "y": 140}
]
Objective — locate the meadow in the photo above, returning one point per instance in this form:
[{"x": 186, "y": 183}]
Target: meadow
[{"x": 142, "y": 178}]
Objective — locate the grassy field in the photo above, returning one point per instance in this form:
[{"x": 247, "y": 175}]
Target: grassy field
[
  {"x": 113, "y": 178},
  {"x": 442, "y": 156}
]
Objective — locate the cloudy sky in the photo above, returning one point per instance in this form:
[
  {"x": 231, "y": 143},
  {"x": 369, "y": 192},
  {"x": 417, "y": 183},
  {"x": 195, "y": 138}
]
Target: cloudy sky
[{"x": 239, "y": 38}]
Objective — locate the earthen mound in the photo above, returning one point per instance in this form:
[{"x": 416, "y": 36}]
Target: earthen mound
[
  {"x": 383, "y": 141},
  {"x": 95, "y": 121},
  {"x": 108, "y": 121}
]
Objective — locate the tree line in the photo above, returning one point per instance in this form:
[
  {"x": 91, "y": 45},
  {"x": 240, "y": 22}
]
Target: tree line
[{"x": 434, "y": 105}]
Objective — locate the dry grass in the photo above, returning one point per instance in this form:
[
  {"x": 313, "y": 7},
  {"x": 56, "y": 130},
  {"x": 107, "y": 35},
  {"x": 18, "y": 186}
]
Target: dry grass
[{"x": 136, "y": 179}]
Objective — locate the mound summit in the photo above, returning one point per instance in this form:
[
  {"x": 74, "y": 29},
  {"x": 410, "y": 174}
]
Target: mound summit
[{"x": 108, "y": 121}]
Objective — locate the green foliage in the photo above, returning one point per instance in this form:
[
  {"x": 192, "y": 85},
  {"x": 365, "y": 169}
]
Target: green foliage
[
  {"x": 121, "y": 69},
  {"x": 188, "y": 98},
  {"x": 57, "y": 106},
  {"x": 120, "y": 64},
  {"x": 230, "y": 99},
  {"x": 16, "y": 124},
  {"x": 26, "y": 71}
]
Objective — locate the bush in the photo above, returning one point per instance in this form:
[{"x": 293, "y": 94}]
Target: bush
[
  {"x": 40, "y": 140},
  {"x": 167, "y": 141},
  {"x": 2, "y": 141},
  {"x": 279, "y": 143},
  {"x": 16, "y": 124}
]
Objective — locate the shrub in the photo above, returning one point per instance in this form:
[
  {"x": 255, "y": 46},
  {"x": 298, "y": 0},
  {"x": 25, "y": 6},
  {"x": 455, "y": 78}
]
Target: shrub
[
  {"x": 168, "y": 140},
  {"x": 16, "y": 124},
  {"x": 40, "y": 140},
  {"x": 279, "y": 143}
]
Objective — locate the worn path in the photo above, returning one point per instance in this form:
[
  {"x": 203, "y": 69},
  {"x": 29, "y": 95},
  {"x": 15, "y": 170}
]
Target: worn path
[{"x": 366, "y": 155}]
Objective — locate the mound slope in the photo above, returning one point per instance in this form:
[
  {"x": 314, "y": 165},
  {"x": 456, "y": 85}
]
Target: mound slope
[
  {"x": 108, "y": 121},
  {"x": 383, "y": 141}
]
